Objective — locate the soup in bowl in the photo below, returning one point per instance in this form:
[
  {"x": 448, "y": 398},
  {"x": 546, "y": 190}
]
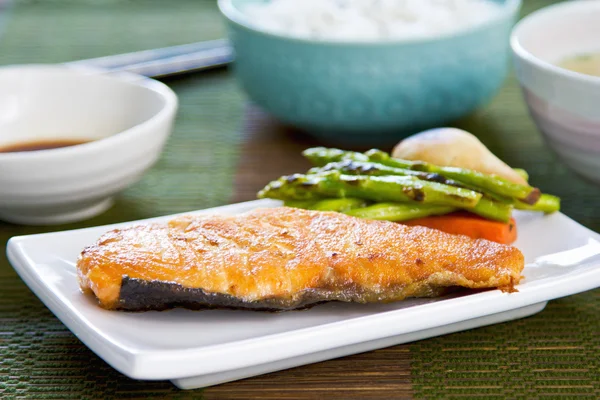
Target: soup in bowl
[{"x": 555, "y": 51}]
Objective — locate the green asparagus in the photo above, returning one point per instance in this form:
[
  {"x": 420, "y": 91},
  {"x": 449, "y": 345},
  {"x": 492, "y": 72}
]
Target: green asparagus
[
  {"x": 339, "y": 205},
  {"x": 492, "y": 209},
  {"x": 350, "y": 182},
  {"x": 321, "y": 156},
  {"x": 399, "y": 211},
  {"x": 546, "y": 204},
  {"x": 351, "y": 167},
  {"x": 375, "y": 188}
]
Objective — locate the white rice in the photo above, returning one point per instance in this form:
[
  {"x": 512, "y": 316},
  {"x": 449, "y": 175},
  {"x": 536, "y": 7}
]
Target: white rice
[{"x": 369, "y": 20}]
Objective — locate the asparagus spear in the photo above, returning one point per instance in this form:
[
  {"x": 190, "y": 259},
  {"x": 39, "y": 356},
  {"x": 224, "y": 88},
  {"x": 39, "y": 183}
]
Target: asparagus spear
[
  {"x": 492, "y": 209},
  {"x": 376, "y": 188},
  {"x": 339, "y": 205},
  {"x": 321, "y": 156},
  {"x": 406, "y": 211},
  {"x": 399, "y": 211},
  {"x": 380, "y": 211},
  {"x": 547, "y": 204},
  {"x": 351, "y": 167}
]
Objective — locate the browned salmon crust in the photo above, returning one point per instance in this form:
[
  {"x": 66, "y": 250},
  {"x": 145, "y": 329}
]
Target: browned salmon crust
[{"x": 284, "y": 258}]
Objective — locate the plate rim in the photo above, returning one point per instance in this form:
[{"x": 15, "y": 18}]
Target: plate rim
[{"x": 182, "y": 363}]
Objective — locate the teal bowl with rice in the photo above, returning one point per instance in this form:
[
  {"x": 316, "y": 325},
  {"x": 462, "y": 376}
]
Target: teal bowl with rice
[{"x": 373, "y": 92}]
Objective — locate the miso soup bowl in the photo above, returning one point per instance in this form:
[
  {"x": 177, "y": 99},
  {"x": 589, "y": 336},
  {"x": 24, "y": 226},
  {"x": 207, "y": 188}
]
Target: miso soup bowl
[
  {"x": 370, "y": 92},
  {"x": 124, "y": 118},
  {"x": 564, "y": 104}
]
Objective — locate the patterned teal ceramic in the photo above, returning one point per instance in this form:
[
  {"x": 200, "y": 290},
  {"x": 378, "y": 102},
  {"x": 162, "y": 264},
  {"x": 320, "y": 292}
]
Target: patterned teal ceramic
[{"x": 370, "y": 92}]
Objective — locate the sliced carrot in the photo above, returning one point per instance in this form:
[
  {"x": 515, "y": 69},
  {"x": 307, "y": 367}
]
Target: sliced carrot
[{"x": 464, "y": 223}]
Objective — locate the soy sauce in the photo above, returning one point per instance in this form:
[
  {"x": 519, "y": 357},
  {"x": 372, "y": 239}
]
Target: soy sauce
[{"x": 40, "y": 145}]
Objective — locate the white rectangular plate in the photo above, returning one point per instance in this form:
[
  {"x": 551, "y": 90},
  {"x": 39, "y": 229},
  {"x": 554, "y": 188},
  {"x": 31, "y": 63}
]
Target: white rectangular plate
[{"x": 203, "y": 348}]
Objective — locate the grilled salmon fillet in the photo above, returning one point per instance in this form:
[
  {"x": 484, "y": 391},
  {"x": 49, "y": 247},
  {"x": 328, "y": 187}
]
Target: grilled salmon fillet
[{"x": 285, "y": 258}]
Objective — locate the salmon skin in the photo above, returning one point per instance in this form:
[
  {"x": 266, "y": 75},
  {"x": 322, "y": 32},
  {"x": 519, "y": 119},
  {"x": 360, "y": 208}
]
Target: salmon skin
[
  {"x": 141, "y": 295},
  {"x": 283, "y": 259}
]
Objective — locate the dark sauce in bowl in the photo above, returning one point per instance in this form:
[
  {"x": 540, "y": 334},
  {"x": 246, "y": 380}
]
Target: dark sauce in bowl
[{"x": 40, "y": 145}]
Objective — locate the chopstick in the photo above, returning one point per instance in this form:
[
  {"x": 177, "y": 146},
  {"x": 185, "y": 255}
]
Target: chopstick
[{"x": 166, "y": 61}]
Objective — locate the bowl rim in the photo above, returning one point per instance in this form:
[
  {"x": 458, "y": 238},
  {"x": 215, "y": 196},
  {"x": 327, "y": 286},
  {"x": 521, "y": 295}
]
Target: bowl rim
[
  {"x": 520, "y": 51},
  {"x": 508, "y": 9},
  {"x": 116, "y": 139}
]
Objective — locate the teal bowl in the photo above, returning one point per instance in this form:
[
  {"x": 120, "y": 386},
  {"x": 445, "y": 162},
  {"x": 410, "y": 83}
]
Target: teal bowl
[{"x": 370, "y": 92}]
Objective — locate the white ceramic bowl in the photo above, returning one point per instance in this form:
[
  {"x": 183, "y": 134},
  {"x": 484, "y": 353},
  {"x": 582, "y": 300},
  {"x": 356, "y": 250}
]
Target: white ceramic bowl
[
  {"x": 127, "y": 119},
  {"x": 564, "y": 104}
]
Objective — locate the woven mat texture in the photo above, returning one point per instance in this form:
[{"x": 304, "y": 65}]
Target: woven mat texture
[{"x": 555, "y": 354}]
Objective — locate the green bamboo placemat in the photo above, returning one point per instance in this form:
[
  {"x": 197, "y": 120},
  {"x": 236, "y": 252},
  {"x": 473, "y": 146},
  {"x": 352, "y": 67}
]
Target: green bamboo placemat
[{"x": 554, "y": 354}]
